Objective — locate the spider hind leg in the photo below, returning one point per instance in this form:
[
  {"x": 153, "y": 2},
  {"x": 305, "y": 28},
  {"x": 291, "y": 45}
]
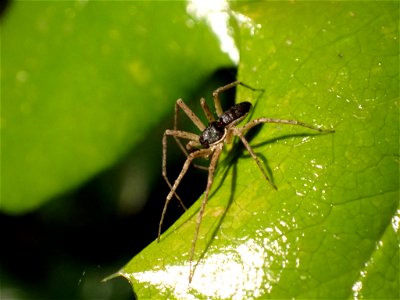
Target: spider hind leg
[{"x": 258, "y": 162}]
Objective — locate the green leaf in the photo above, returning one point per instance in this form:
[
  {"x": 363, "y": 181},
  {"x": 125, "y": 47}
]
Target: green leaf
[
  {"x": 83, "y": 82},
  {"x": 331, "y": 228}
]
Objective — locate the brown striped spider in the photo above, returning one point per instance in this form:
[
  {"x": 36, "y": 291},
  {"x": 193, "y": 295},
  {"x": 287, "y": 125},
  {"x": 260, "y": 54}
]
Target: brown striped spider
[{"x": 209, "y": 144}]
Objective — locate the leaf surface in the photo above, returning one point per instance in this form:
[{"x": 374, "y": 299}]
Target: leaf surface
[{"x": 331, "y": 228}]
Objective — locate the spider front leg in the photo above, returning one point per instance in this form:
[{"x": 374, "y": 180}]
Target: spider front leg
[
  {"x": 255, "y": 122},
  {"x": 191, "y": 115},
  {"x": 175, "y": 134},
  {"x": 214, "y": 159},
  {"x": 190, "y": 157}
]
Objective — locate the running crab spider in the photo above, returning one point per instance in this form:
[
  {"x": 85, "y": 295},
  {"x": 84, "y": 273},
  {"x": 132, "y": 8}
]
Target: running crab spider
[{"x": 209, "y": 144}]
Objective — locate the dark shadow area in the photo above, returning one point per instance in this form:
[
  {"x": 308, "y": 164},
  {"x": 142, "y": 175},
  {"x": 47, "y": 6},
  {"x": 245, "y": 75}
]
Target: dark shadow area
[
  {"x": 194, "y": 182},
  {"x": 4, "y": 6}
]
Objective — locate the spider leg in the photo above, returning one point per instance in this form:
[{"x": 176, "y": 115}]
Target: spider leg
[
  {"x": 240, "y": 133},
  {"x": 254, "y": 156},
  {"x": 190, "y": 114},
  {"x": 207, "y": 110},
  {"x": 191, "y": 146},
  {"x": 217, "y": 102},
  {"x": 193, "y": 155},
  {"x": 255, "y": 122},
  {"x": 214, "y": 159},
  {"x": 193, "y": 143},
  {"x": 175, "y": 134}
]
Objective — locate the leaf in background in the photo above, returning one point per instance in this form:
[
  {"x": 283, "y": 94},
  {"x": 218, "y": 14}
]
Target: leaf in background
[
  {"x": 83, "y": 82},
  {"x": 331, "y": 229}
]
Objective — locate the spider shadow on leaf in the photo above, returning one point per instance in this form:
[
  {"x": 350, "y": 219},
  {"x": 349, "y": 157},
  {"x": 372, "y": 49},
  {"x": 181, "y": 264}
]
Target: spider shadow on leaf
[{"x": 237, "y": 152}]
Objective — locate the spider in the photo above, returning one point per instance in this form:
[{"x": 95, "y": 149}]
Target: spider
[{"x": 209, "y": 144}]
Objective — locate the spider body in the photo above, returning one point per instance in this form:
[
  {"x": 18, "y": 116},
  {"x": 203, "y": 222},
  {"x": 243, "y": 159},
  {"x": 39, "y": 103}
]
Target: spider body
[
  {"x": 235, "y": 114},
  {"x": 216, "y": 130},
  {"x": 209, "y": 144}
]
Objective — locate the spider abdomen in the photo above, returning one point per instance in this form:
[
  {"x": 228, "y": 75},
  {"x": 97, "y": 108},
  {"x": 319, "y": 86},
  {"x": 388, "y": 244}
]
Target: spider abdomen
[{"x": 236, "y": 112}]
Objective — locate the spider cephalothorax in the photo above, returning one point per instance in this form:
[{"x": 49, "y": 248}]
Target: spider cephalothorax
[{"x": 209, "y": 144}]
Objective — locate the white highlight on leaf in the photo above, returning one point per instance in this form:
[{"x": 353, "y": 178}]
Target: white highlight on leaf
[
  {"x": 215, "y": 13},
  {"x": 247, "y": 23},
  {"x": 236, "y": 272},
  {"x": 356, "y": 289},
  {"x": 396, "y": 221}
]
